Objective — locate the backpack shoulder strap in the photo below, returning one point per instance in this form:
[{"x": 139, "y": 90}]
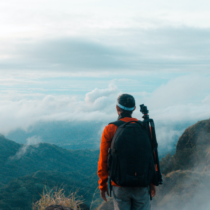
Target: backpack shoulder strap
[{"x": 118, "y": 123}]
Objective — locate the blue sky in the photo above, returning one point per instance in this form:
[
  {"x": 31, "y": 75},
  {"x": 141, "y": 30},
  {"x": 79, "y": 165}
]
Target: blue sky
[{"x": 69, "y": 60}]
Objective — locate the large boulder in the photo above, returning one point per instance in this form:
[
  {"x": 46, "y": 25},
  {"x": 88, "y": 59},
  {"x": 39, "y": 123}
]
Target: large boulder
[
  {"x": 109, "y": 205},
  {"x": 193, "y": 150},
  {"x": 196, "y": 135}
]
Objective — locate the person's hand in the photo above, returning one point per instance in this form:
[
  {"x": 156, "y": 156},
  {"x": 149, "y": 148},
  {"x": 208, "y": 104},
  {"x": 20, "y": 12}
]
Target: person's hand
[
  {"x": 153, "y": 190},
  {"x": 103, "y": 194}
]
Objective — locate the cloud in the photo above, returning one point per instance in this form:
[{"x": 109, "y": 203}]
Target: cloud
[
  {"x": 70, "y": 17},
  {"x": 66, "y": 54},
  {"x": 179, "y": 102},
  {"x": 13, "y": 81},
  {"x": 95, "y": 94},
  {"x": 34, "y": 140},
  {"x": 167, "y": 136},
  {"x": 181, "y": 99},
  {"x": 180, "y": 49},
  {"x": 21, "y": 112},
  {"x": 174, "y": 106}
]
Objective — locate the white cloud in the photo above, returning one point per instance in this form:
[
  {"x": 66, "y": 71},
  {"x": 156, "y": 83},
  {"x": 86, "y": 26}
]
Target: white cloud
[
  {"x": 181, "y": 49},
  {"x": 38, "y": 18},
  {"x": 167, "y": 136},
  {"x": 182, "y": 99},
  {"x": 180, "y": 90},
  {"x": 34, "y": 140},
  {"x": 177, "y": 102},
  {"x": 90, "y": 38},
  {"x": 17, "y": 112},
  {"x": 206, "y": 100},
  {"x": 97, "y": 94},
  {"x": 13, "y": 81}
]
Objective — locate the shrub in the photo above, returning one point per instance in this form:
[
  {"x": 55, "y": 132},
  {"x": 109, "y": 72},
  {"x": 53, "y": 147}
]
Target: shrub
[{"x": 58, "y": 197}]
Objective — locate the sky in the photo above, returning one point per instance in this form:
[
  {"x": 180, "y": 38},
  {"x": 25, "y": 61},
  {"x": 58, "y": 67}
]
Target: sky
[{"x": 69, "y": 60}]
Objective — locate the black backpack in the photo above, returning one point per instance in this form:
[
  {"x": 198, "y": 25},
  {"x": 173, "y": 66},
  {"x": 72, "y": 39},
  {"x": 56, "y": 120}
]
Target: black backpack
[{"x": 130, "y": 158}]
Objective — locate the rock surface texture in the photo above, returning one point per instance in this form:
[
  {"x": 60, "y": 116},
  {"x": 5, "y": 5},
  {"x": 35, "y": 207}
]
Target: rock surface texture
[{"x": 57, "y": 207}]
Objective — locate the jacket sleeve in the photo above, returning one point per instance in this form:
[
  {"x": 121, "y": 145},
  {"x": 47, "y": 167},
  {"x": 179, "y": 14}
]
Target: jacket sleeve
[{"x": 106, "y": 138}]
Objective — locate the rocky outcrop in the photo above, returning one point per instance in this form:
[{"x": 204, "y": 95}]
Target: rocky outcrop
[
  {"x": 107, "y": 205},
  {"x": 193, "y": 150},
  {"x": 195, "y": 135},
  {"x": 58, "y": 207}
]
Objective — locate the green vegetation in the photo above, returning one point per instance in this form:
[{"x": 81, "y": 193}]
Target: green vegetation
[
  {"x": 26, "y": 172},
  {"x": 18, "y": 160},
  {"x": 22, "y": 192},
  {"x": 71, "y": 135}
]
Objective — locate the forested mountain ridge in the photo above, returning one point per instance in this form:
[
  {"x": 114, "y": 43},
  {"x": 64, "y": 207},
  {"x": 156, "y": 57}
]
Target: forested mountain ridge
[
  {"x": 68, "y": 135},
  {"x": 26, "y": 159},
  {"x": 27, "y": 169}
]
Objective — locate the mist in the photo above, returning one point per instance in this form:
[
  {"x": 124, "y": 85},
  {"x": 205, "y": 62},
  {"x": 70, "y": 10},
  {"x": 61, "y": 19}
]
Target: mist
[{"x": 187, "y": 172}]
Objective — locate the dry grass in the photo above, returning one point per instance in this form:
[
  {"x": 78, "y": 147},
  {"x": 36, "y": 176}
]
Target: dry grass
[
  {"x": 96, "y": 200},
  {"x": 57, "y": 198}
]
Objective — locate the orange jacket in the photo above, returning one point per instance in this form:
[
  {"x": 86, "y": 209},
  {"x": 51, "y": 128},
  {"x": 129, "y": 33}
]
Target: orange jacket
[{"x": 106, "y": 138}]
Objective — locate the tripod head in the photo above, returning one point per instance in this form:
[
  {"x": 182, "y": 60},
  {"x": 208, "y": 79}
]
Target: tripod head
[{"x": 144, "y": 111}]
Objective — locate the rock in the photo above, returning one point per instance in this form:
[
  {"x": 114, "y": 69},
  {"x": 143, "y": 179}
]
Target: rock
[
  {"x": 57, "y": 207},
  {"x": 196, "y": 135},
  {"x": 109, "y": 205},
  {"x": 84, "y": 207}
]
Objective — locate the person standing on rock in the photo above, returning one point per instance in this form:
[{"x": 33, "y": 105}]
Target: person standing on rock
[{"x": 126, "y": 160}]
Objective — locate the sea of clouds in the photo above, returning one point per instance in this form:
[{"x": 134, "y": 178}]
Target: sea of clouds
[{"x": 174, "y": 106}]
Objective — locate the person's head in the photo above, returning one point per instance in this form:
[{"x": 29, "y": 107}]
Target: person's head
[{"x": 125, "y": 104}]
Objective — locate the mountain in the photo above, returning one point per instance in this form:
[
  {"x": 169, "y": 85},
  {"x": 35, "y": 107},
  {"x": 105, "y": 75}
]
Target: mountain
[
  {"x": 20, "y": 193},
  {"x": 70, "y": 135},
  {"x": 18, "y": 160},
  {"x": 87, "y": 135},
  {"x": 192, "y": 150},
  {"x": 186, "y": 173},
  {"x": 27, "y": 169}
]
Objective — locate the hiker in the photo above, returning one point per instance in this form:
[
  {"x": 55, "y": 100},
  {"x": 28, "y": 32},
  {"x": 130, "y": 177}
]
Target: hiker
[{"x": 131, "y": 196}]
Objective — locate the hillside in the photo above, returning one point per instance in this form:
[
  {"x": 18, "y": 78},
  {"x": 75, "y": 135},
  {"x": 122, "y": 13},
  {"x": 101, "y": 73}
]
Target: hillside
[
  {"x": 26, "y": 170},
  {"x": 186, "y": 173},
  {"x": 69, "y": 135},
  {"x": 23, "y": 191},
  {"x": 24, "y": 160}
]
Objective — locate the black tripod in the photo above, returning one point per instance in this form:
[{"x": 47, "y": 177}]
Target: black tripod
[{"x": 150, "y": 128}]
